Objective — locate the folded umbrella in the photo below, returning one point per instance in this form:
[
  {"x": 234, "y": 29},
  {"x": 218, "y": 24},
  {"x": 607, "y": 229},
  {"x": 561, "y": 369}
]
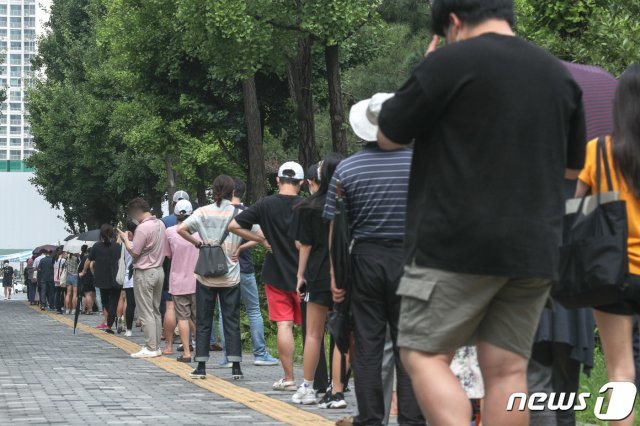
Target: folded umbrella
[{"x": 338, "y": 320}]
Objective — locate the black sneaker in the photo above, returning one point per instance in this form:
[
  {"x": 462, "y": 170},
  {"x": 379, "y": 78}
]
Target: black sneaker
[
  {"x": 326, "y": 399},
  {"x": 236, "y": 371},
  {"x": 336, "y": 402},
  {"x": 199, "y": 373},
  {"x": 108, "y": 331}
]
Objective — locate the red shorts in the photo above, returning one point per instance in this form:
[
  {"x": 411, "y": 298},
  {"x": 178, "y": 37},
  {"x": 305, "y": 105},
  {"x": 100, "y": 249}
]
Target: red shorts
[{"x": 283, "y": 305}]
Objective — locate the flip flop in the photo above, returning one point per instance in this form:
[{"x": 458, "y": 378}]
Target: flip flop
[{"x": 184, "y": 359}]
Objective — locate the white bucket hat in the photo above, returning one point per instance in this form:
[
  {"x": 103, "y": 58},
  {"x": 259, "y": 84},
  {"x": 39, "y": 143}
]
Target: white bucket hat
[{"x": 364, "y": 116}]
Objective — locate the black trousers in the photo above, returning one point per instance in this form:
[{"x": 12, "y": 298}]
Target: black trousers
[
  {"x": 131, "y": 307},
  {"x": 377, "y": 271},
  {"x": 59, "y": 294},
  {"x": 321, "y": 379},
  {"x": 230, "y": 307},
  {"x": 110, "y": 298},
  {"x": 551, "y": 369}
]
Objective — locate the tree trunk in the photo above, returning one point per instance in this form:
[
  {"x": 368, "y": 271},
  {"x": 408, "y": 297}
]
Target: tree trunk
[
  {"x": 336, "y": 108},
  {"x": 201, "y": 187},
  {"x": 171, "y": 180},
  {"x": 256, "y": 184},
  {"x": 299, "y": 75}
]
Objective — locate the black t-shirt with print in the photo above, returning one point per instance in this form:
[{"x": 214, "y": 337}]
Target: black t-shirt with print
[
  {"x": 313, "y": 230},
  {"x": 495, "y": 120},
  {"x": 105, "y": 269},
  {"x": 274, "y": 214},
  {"x": 7, "y": 275}
]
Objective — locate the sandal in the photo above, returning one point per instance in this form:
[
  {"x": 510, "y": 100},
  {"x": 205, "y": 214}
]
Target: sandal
[{"x": 184, "y": 359}]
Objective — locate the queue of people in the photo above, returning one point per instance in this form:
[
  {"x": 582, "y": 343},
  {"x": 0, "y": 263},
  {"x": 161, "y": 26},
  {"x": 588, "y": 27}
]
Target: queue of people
[{"x": 455, "y": 206}]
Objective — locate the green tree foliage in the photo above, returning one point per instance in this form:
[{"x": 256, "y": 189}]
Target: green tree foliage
[
  {"x": 598, "y": 32},
  {"x": 79, "y": 164}
]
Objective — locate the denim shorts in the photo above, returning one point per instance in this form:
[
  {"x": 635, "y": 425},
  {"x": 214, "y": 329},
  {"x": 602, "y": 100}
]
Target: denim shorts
[{"x": 72, "y": 280}]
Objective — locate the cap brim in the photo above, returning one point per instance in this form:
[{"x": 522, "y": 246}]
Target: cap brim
[{"x": 360, "y": 124}]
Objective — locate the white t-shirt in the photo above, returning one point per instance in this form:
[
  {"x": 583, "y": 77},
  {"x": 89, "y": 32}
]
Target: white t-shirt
[{"x": 128, "y": 260}]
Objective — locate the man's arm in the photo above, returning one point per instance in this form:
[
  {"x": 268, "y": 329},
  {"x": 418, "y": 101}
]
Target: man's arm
[
  {"x": 124, "y": 239},
  {"x": 338, "y": 293},
  {"x": 246, "y": 234},
  {"x": 183, "y": 231}
]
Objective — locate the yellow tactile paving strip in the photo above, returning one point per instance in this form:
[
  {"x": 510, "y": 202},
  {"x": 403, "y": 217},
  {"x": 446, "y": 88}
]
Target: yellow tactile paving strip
[{"x": 273, "y": 408}]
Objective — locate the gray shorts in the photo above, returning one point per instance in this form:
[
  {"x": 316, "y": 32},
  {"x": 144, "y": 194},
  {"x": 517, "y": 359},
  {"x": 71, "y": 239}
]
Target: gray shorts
[
  {"x": 442, "y": 311},
  {"x": 185, "y": 306}
]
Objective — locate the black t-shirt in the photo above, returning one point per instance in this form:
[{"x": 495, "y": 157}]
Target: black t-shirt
[
  {"x": 496, "y": 120},
  {"x": 7, "y": 275},
  {"x": 312, "y": 230},
  {"x": 274, "y": 214},
  {"x": 246, "y": 257},
  {"x": 105, "y": 269},
  {"x": 45, "y": 269}
]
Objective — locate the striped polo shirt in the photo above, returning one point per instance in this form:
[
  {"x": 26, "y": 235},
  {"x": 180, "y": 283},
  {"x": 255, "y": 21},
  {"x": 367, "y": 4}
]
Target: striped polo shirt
[{"x": 374, "y": 186}]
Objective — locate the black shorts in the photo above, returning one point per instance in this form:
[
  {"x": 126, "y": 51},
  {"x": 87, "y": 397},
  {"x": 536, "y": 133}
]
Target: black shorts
[
  {"x": 322, "y": 298},
  {"x": 6, "y": 284},
  {"x": 630, "y": 305}
]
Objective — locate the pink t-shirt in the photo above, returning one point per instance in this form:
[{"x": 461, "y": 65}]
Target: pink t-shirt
[
  {"x": 184, "y": 257},
  {"x": 148, "y": 243}
]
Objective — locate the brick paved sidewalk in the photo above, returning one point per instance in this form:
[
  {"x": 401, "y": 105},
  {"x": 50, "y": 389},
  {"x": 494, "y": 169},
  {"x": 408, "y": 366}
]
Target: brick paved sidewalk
[{"x": 48, "y": 375}]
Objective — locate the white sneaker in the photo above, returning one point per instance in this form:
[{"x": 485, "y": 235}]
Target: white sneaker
[
  {"x": 67, "y": 312},
  {"x": 128, "y": 333},
  {"x": 73, "y": 312},
  {"x": 146, "y": 353},
  {"x": 304, "y": 395},
  {"x": 282, "y": 385},
  {"x": 5, "y": 298}
]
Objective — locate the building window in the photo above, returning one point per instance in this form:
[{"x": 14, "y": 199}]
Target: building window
[
  {"x": 29, "y": 46},
  {"x": 16, "y": 45},
  {"x": 3, "y": 153},
  {"x": 15, "y": 130},
  {"x": 26, "y": 154},
  {"x": 16, "y": 35},
  {"x": 3, "y": 21},
  {"x": 15, "y": 142},
  {"x": 15, "y": 96},
  {"x": 15, "y": 22},
  {"x": 3, "y": 142},
  {"x": 29, "y": 10},
  {"x": 16, "y": 10},
  {"x": 28, "y": 143},
  {"x": 3, "y": 9},
  {"x": 3, "y": 119},
  {"x": 15, "y": 106},
  {"x": 15, "y": 155},
  {"x": 15, "y": 59},
  {"x": 27, "y": 70},
  {"x": 30, "y": 22},
  {"x": 16, "y": 72},
  {"x": 3, "y": 130},
  {"x": 3, "y": 70},
  {"x": 15, "y": 120},
  {"x": 3, "y": 82},
  {"x": 15, "y": 82},
  {"x": 29, "y": 34}
]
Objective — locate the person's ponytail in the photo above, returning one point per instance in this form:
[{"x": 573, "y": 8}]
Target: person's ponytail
[{"x": 223, "y": 188}]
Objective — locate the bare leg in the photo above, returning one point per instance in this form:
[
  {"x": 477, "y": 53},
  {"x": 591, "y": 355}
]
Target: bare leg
[
  {"x": 615, "y": 335},
  {"x": 438, "y": 391},
  {"x": 504, "y": 373},
  {"x": 88, "y": 302},
  {"x": 316, "y": 316},
  {"x": 183, "y": 327},
  {"x": 336, "y": 371},
  {"x": 121, "y": 305},
  {"x": 286, "y": 348},
  {"x": 169, "y": 327}
]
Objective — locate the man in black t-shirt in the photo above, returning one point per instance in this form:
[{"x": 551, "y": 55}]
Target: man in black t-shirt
[
  {"x": 8, "y": 273},
  {"x": 274, "y": 214},
  {"x": 496, "y": 123}
]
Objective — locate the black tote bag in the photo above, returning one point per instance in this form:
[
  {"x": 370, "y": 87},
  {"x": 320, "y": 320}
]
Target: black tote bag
[
  {"x": 212, "y": 260},
  {"x": 594, "y": 265}
]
